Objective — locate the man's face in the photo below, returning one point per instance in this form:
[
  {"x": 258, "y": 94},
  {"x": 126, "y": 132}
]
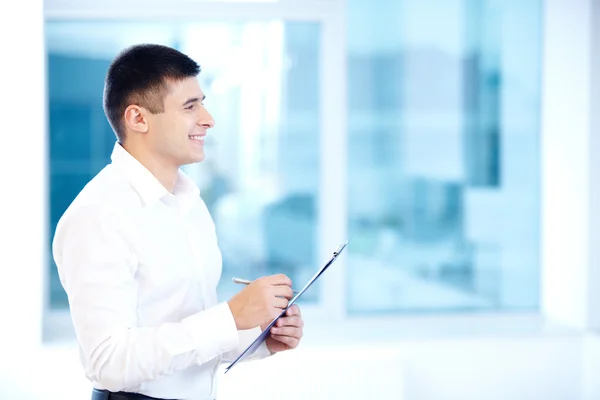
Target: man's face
[{"x": 177, "y": 134}]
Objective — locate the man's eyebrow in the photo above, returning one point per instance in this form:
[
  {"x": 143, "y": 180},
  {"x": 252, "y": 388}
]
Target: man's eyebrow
[{"x": 193, "y": 100}]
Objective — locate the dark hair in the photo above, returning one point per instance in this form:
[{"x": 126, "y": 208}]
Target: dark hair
[{"x": 139, "y": 75}]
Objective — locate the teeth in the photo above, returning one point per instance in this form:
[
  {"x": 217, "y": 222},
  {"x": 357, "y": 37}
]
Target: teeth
[{"x": 199, "y": 138}]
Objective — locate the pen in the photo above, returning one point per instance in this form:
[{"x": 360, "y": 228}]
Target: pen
[{"x": 247, "y": 282}]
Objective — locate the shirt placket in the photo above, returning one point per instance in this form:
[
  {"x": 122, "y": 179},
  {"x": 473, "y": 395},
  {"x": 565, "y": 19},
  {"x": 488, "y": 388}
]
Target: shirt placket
[
  {"x": 201, "y": 270},
  {"x": 199, "y": 262}
]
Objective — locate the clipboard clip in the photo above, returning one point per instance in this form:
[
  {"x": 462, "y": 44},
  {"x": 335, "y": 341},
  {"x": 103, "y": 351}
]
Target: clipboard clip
[{"x": 340, "y": 249}]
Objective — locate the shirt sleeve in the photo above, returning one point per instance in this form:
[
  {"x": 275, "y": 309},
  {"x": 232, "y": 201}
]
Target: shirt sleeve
[
  {"x": 95, "y": 252},
  {"x": 246, "y": 337}
]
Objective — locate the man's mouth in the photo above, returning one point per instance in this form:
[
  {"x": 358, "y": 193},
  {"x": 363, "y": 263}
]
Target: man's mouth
[{"x": 197, "y": 138}]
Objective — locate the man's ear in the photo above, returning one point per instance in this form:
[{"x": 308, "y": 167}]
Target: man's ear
[{"x": 135, "y": 119}]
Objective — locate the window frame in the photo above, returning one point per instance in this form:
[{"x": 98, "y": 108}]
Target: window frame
[
  {"x": 332, "y": 84},
  {"x": 333, "y": 185}
]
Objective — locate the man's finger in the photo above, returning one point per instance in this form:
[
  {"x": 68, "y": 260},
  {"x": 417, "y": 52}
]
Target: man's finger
[
  {"x": 290, "y": 321},
  {"x": 293, "y": 310},
  {"x": 283, "y": 291},
  {"x": 280, "y": 302},
  {"x": 279, "y": 279},
  {"x": 289, "y": 340},
  {"x": 291, "y": 331}
]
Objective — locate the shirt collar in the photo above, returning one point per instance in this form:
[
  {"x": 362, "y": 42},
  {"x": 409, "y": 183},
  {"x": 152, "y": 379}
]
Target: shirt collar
[{"x": 147, "y": 186}]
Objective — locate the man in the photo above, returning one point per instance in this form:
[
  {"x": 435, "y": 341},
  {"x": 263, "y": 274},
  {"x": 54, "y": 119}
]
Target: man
[{"x": 137, "y": 252}]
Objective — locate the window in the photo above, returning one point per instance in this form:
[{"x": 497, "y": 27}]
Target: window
[
  {"x": 415, "y": 136},
  {"x": 261, "y": 177},
  {"x": 443, "y": 156}
]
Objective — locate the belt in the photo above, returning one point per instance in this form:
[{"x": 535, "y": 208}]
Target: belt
[{"x": 106, "y": 395}]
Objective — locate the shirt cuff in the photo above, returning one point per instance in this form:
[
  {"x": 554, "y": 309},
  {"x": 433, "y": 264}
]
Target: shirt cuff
[
  {"x": 247, "y": 337},
  {"x": 213, "y": 331},
  {"x": 262, "y": 352}
]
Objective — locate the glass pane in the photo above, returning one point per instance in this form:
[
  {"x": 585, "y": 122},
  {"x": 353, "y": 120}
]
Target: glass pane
[
  {"x": 261, "y": 176},
  {"x": 444, "y": 155}
]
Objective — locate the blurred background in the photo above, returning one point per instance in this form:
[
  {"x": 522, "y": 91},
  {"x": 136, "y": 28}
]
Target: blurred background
[{"x": 451, "y": 141}]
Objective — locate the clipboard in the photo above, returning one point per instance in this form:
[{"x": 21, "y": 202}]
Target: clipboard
[{"x": 264, "y": 334}]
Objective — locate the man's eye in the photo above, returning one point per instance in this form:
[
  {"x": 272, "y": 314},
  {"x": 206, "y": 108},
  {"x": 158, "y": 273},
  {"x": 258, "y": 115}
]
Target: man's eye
[{"x": 190, "y": 107}]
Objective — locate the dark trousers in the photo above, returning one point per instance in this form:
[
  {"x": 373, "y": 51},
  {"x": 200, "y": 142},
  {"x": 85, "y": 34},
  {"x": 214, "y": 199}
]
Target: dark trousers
[{"x": 106, "y": 395}]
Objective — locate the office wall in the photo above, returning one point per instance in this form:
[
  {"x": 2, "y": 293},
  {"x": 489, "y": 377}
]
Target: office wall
[
  {"x": 571, "y": 163},
  {"x": 591, "y": 367},
  {"x": 22, "y": 176}
]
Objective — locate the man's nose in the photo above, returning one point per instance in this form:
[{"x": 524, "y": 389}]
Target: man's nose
[{"x": 206, "y": 120}]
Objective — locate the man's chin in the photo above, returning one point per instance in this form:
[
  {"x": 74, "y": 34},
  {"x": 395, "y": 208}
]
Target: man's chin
[{"x": 194, "y": 159}]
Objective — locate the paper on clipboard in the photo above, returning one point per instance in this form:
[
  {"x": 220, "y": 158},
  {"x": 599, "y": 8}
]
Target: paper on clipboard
[{"x": 264, "y": 334}]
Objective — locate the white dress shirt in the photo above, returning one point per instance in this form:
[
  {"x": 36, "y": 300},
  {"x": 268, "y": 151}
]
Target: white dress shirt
[{"x": 140, "y": 267}]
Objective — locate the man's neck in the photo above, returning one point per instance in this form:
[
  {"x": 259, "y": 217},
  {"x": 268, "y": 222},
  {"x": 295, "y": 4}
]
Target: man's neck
[{"x": 164, "y": 172}]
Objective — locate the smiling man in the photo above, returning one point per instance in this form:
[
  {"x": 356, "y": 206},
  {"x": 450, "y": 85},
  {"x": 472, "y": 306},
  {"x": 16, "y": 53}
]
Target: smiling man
[{"x": 137, "y": 252}]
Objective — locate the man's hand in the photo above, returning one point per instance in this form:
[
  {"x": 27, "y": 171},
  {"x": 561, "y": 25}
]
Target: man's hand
[
  {"x": 287, "y": 331},
  {"x": 261, "y": 301}
]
